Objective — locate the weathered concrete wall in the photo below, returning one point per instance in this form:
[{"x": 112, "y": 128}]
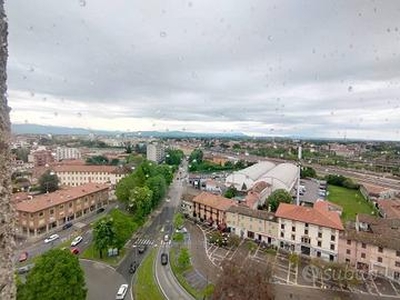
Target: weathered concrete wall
[{"x": 7, "y": 243}]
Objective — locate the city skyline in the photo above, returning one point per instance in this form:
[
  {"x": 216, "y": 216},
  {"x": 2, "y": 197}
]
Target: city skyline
[{"x": 265, "y": 69}]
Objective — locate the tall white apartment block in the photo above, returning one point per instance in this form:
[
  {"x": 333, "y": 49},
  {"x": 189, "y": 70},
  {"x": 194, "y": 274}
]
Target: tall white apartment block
[{"x": 67, "y": 153}]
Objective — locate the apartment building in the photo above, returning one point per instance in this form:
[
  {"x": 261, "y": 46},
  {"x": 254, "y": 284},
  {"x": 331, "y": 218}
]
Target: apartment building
[
  {"x": 67, "y": 153},
  {"x": 75, "y": 175},
  {"x": 309, "y": 231},
  {"x": 253, "y": 224},
  {"x": 155, "y": 152},
  {"x": 211, "y": 208},
  {"x": 39, "y": 214},
  {"x": 41, "y": 158},
  {"x": 372, "y": 244}
]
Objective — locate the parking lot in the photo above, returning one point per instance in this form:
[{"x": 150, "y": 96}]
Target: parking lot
[{"x": 301, "y": 274}]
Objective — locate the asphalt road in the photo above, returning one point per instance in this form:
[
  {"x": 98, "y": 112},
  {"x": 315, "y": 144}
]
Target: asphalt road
[{"x": 102, "y": 281}]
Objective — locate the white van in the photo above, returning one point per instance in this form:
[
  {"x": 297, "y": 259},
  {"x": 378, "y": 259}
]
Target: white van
[{"x": 123, "y": 289}]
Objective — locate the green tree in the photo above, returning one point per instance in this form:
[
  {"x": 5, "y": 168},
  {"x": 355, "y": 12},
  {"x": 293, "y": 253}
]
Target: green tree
[
  {"x": 184, "y": 258},
  {"x": 308, "y": 172},
  {"x": 48, "y": 182},
  {"x": 56, "y": 275},
  {"x": 140, "y": 201},
  {"x": 104, "y": 235},
  {"x": 279, "y": 196},
  {"x": 124, "y": 186},
  {"x": 166, "y": 172},
  {"x": 231, "y": 192},
  {"x": 123, "y": 226},
  {"x": 97, "y": 160},
  {"x": 114, "y": 162},
  {"x": 196, "y": 156},
  {"x": 158, "y": 186},
  {"x": 178, "y": 220},
  {"x": 174, "y": 157}
]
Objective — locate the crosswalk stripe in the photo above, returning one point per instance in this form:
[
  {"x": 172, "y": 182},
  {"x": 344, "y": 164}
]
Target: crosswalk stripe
[{"x": 144, "y": 242}]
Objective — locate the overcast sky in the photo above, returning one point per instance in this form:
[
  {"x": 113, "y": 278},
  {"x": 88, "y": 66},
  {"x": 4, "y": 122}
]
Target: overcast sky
[{"x": 289, "y": 68}]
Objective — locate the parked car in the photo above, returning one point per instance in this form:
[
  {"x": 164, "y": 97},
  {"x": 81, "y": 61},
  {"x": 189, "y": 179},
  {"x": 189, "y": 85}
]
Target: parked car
[
  {"x": 181, "y": 230},
  {"x": 164, "y": 258},
  {"x": 123, "y": 289},
  {"x": 142, "y": 248},
  {"x": 76, "y": 241},
  {"x": 66, "y": 226},
  {"x": 23, "y": 256},
  {"x": 52, "y": 238},
  {"x": 74, "y": 251},
  {"x": 100, "y": 210}
]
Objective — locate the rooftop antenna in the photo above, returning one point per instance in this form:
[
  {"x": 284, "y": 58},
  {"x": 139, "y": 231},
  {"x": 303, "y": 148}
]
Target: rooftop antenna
[{"x": 298, "y": 176}]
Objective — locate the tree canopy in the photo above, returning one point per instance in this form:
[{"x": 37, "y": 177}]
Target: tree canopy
[
  {"x": 56, "y": 275},
  {"x": 143, "y": 189},
  {"x": 104, "y": 235},
  {"x": 174, "y": 157},
  {"x": 231, "y": 192},
  {"x": 48, "y": 182},
  {"x": 279, "y": 196}
]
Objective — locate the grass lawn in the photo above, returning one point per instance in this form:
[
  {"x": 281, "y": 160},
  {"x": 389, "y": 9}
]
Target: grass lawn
[
  {"x": 352, "y": 202},
  {"x": 145, "y": 286},
  {"x": 92, "y": 253},
  {"x": 178, "y": 272}
]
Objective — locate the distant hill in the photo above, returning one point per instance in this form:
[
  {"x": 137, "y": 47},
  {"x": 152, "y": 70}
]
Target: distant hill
[{"x": 57, "y": 130}]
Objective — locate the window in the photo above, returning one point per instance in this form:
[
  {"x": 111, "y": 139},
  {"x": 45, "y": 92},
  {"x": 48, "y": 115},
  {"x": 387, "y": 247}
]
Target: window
[
  {"x": 362, "y": 255},
  {"x": 347, "y": 261},
  {"x": 282, "y": 226},
  {"x": 333, "y": 238},
  {"x": 348, "y": 251},
  {"x": 70, "y": 204},
  {"x": 41, "y": 214},
  {"x": 319, "y": 243},
  {"x": 293, "y": 237},
  {"x": 306, "y": 225},
  {"x": 332, "y": 246},
  {"x": 398, "y": 253},
  {"x": 282, "y": 234},
  {"x": 348, "y": 242},
  {"x": 379, "y": 259},
  {"x": 306, "y": 231},
  {"x": 61, "y": 206},
  {"x": 51, "y": 211},
  {"x": 397, "y": 264},
  {"x": 293, "y": 228},
  {"x": 380, "y": 249},
  {"x": 318, "y": 254},
  {"x": 319, "y": 234},
  {"x": 363, "y": 245}
]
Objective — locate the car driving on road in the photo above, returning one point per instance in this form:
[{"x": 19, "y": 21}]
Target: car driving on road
[
  {"x": 122, "y": 292},
  {"x": 52, "y": 238},
  {"x": 164, "y": 258},
  {"x": 76, "y": 241},
  {"x": 142, "y": 248}
]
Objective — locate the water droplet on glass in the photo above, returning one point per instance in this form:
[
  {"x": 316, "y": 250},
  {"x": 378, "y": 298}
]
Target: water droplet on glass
[
  {"x": 26, "y": 121},
  {"x": 82, "y": 3},
  {"x": 270, "y": 38},
  {"x": 44, "y": 99},
  {"x": 350, "y": 88},
  {"x": 55, "y": 113},
  {"x": 79, "y": 114},
  {"x": 31, "y": 69},
  {"x": 163, "y": 34},
  {"x": 388, "y": 30},
  {"x": 32, "y": 94},
  {"x": 190, "y": 4}
]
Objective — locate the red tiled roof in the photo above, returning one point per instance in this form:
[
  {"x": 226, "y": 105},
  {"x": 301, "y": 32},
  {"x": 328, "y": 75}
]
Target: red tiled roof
[
  {"x": 390, "y": 207},
  {"x": 251, "y": 199},
  {"x": 375, "y": 189},
  {"x": 310, "y": 215},
  {"x": 44, "y": 201},
  {"x": 321, "y": 204},
  {"x": 214, "y": 201}
]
